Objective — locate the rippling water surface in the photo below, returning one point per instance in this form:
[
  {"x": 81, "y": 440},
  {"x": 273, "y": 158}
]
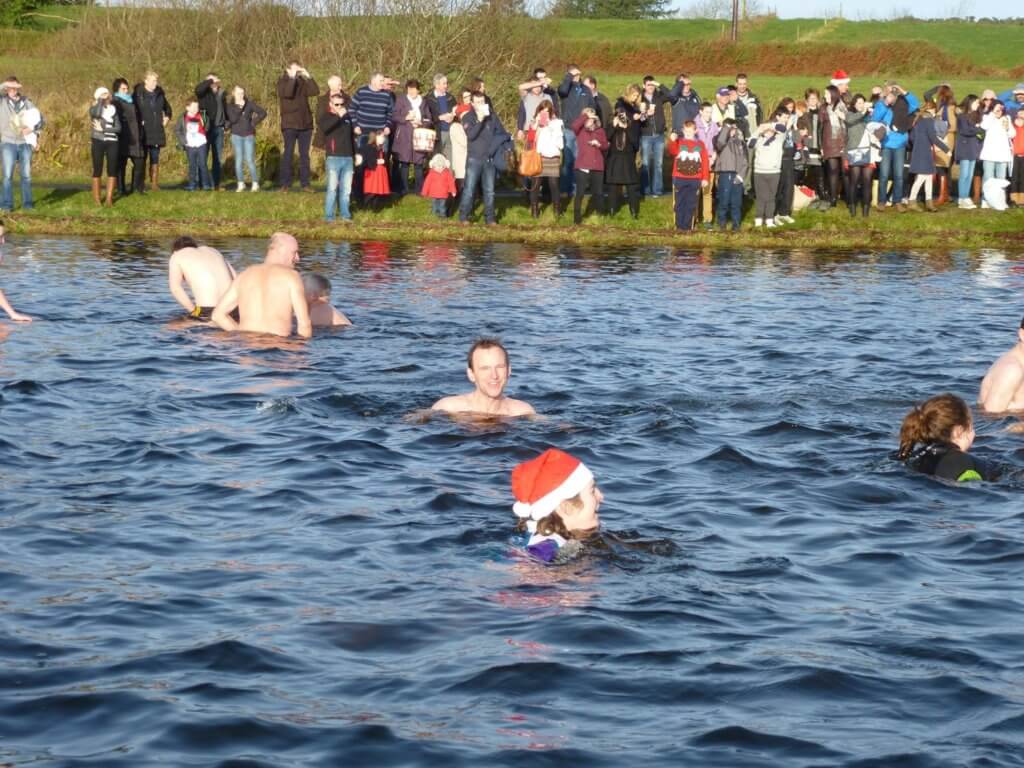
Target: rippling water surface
[{"x": 218, "y": 553}]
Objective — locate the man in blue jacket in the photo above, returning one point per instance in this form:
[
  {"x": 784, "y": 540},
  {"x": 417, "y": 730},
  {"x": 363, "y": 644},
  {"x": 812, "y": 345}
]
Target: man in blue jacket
[
  {"x": 687, "y": 104},
  {"x": 575, "y": 97},
  {"x": 895, "y": 110},
  {"x": 1013, "y": 99},
  {"x": 485, "y": 134}
]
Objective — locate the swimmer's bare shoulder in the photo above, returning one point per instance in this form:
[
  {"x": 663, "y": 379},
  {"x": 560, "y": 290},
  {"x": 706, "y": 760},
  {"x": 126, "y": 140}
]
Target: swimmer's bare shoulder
[
  {"x": 517, "y": 408},
  {"x": 452, "y": 404}
]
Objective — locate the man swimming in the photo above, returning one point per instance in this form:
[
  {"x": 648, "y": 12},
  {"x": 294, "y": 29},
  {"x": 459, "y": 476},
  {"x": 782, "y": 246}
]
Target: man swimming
[
  {"x": 1002, "y": 389},
  {"x": 268, "y": 295},
  {"x": 206, "y": 272},
  {"x": 488, "y": 368}
]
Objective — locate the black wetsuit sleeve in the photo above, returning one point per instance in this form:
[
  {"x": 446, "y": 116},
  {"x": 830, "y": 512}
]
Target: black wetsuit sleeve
[{"x": 961, "y": 467}]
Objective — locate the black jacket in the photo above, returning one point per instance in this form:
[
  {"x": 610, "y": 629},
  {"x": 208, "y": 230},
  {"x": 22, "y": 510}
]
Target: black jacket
[
  {"x": 243, "y": 120},
  {"x": 130, "y": 138},
  {"x": 620, "y": 163},
  {"x": 655, "y": 126},
  {"x": 152, "y": 108},
  {"x": 685, "y": 107},
  {"x": 338, "y": 134},
  {"x": 574, "y": 98},
  {"x": 211, "y": 104}
]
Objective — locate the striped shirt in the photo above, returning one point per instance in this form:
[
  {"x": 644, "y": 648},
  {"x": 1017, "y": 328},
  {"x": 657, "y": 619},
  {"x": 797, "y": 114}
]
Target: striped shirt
[{"x": 372, "y": 109}]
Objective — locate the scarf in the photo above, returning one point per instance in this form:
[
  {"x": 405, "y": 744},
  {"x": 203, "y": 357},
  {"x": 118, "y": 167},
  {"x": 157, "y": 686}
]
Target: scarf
[{"x": 125, "y": 97}]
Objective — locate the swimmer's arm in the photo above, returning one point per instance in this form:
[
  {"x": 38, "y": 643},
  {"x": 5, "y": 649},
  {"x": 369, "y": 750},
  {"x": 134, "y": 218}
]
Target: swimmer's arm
[
  {"x": 231, "y": 269},
  {"x": 449, "y": 404},
  {"x": 1003, "y": 389},
  {"x": 338, "y": 318},
  {"x": 303, "y": 325},
  {"x": 11, "y": 312},
  {"x": 222, "y": 312},
  {"x": 174, "y": 280}
]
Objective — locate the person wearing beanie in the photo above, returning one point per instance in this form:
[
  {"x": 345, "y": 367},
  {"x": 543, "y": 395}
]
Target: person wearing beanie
[
  {"x": 439, "y": 185},
  {"x": 557, "y": 501},
  {"x": 487, "y": 367},
  {"x": 106, "y": 127}
]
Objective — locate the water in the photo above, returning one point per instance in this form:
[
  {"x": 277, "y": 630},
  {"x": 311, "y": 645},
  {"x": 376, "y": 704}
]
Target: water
[{"x": 216, "y": 553}]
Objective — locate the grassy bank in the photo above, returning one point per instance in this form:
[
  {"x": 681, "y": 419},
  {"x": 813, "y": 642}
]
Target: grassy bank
[{"x": 218, "y": 214}]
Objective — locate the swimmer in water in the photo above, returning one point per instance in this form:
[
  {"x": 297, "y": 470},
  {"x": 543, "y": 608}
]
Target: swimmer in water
[
  {"x": 487, "y": 367},
  {"x": 318, "y": 296},
  {"x": 556, "y": 501},
  {"x": 206, "y": 272},
  {"x": 268, "y": 296},
  {"x": 1002, "y": 389},
  {"x": 4, "y": 304},
  {"x": 935, "y": 438}
]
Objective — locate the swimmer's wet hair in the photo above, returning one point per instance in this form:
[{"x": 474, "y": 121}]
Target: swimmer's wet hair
[
  {"x": 553, "y": 524},
  {"x": 315, "y": 284},
  {"x": 1021, "y": 321},
  {"x": 484, "y": 342},
  {"x": 933, "y": 422},
  {"x": 185, "y": 241}
]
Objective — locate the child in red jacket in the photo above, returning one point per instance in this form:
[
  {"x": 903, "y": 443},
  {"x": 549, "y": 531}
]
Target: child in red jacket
[
  {"x": 439, "y": 185},
  {"x": 689, "y": 173}
]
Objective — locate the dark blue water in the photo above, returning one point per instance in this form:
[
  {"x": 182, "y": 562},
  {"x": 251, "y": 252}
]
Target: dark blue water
[{"x": 215, "y": 553}]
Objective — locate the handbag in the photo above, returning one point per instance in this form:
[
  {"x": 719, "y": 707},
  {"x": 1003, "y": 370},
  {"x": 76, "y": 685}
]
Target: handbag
[
  {"x": 530, "y": 163},
  {"x": 423, "y": 139}
]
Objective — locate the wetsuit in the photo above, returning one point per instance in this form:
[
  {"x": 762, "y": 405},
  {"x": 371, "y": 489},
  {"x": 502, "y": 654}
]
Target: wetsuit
[{"x": 948, "y": 462}]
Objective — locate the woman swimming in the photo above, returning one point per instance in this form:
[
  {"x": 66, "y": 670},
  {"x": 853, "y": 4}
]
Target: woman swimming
[
  {"x": 556, "y": 501},
  {"x": 935, "y": 438}
]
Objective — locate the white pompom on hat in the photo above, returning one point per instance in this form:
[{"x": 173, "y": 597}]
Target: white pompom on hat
[{"x": 541, "y": 484}]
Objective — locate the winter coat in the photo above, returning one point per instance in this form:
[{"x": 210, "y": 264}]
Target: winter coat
[
  {"x": 655, "y": 126},
  {"x": 833, "y": 143},
  {"x": 211, "y": 104},
  {"x": 968, "y": 143},
  {"x": 338, "y": 133},
  {"x": 589, "y": 158},
  {"x": 181, "y": 132},
  {"x": 401, "y": 138},
  {"x": 434, "y": 105},
  {"x": 998, "y": 138},
  {"x": 685, "y": 107},
  {"x": 707, "y": 133},
  {"x": 604, "y": 111},
  {"x": 483, "y": 136},
  {"x": 294, "y": 94},
  {"x": 810, "y": 122},
  {"x": 243, "y": 120},
  {"x": 884, "y": 114},
  {"x": 732, "y": 153},
  {"x": 753, "y": 106},
  {"x": 620, "y": 164},
  {"x": 460, "y": 149},
  {"x": 110, "y": 128},
  {"x": 946, "y": 114},
  {"x": 152, "y": 108},
  {"x": 923, "y": 137},
  {"x": 575, "y": 97},
  {"x": 856, "y": 123},
  {"x": 130, "y": 137},
  {"x": 768, "y": 152},
  {"x": 549, "y": 141}
]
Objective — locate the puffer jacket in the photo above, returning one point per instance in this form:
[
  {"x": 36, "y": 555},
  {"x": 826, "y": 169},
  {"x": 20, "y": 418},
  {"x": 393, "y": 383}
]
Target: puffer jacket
[
  {"x": 110, "y": 122},
  {"x": 732, "y": 152}
]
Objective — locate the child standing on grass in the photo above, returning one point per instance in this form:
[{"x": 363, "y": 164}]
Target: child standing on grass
[
  {"x": 439, "y": 185},
  {"x": 730, "y": 168},
  {"x": 767, "y": 143},
  {"x": 689, "y": 173},
  {"x": 923, "y": 137},
  {"x": 376, "y": 185},
  {"x": 191, "y": 134}
]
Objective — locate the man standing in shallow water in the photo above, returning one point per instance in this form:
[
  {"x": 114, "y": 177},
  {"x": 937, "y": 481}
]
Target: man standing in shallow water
[
  {"x": 1002, "y": 389},
  {"x": 206, "y": 272},
  {"x": 487, "y": 367},
  {"x": 268, "y": 295}
]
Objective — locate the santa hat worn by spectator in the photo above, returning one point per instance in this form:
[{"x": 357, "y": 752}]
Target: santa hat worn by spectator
[
  {"x": 839, "y": 77},
  {"x": 541, "y": 484}
]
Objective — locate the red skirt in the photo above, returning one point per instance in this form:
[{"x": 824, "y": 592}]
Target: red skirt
[{"x": 376, "y": 182}]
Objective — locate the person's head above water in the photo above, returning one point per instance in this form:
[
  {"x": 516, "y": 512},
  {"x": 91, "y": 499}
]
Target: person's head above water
[
  {"x": 317, "y": 287},
  {"x": 556, "y": 500},
  {"x": 283, "y": 250},
  {"x": 944, "y": 418},
  {"x": 487, "y": 366}
]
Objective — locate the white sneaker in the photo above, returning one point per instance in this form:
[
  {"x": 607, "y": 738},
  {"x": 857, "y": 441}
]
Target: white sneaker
[
  {"x": 780, "y": 221},
  {"x": 967, "y": 204},
  {"x": 255, "y": 186},
  {"x": 984, "y": 203},
  {"x": 769, "y": 222},
  {"x": 241, "y": 187},
  {"x": 789, "y": 219},
  {"x": 758, "y": 222}
]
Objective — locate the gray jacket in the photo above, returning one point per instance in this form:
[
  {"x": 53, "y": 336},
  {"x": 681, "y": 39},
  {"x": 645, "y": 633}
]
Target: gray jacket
[
  {"x": 732, "y": 152},
  {"x": 110, "y": 128},
  {"x": 10, "y": 133}
]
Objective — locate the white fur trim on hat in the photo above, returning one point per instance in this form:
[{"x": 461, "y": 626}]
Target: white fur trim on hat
[
  {"x": 537, "y": 539},
  {"x": 841, "y": 81},
  {"x": 545, "y": 505}
]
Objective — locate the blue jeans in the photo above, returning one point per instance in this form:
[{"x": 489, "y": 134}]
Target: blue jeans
[
  {"x": 891, "y": 165},
  {"x": 990, "y": 169},
  {"x": 966, "y": 177},
  {"x": 197, "y": 170},
  {"x": 245, "y": 152},
  {"x": 687, "y": 194},
  {"x": 567, "y": 180},
  {"x": 21, "y": 155},
  {"x": 478, "y": 172},
  {"x": 652, "y": 152},
  {"x": 339, "y": 186},
  {"x": 438, "y": 207},
  {"x": 215, "y": 141},
  {"x": 730, "y": 199}
]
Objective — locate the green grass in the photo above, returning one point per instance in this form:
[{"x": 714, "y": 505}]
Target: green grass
[{"x": 209, "y": 214}]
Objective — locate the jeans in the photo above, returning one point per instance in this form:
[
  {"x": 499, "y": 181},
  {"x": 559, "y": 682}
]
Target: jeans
[
  {"x": 990, "y": 169},
  {"x": 215, "y": 141},
  {"x": 966, "y": 177},
  {"x": 401, "y": 183},
  {"x": 892, "y": 163},
  {"x": 439, "y": 207},
  {"x": 568, "y": 177},
  {"x": 303, "y": 138},
  {"x": 197, "y": 170},
  {"x": 478, "y": 172},
  {"x": 339, "y": 178},
  {"x": 687, "y": 194},
  {"x": 245, "y": 152},
  {"x": 20, "y": 155},
  {"x": 730, "y": 199},
  {"x": 652, "y": 152}
]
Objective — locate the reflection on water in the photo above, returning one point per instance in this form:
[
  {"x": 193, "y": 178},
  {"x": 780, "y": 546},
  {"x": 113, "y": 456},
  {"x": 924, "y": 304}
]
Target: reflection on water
[{"x": 217, "y": 551}]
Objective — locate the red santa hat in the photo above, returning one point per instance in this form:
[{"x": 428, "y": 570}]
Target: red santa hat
[
  {"x": 839, "y": 77},
  {"x": 541, "y": 484}
]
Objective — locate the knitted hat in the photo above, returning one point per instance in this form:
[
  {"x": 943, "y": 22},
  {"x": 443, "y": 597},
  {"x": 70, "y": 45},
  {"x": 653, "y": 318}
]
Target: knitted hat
[
  {"x": 100, "y": 93},
  {"x": 839, "y": 77},
  {"x": 1018, "y": 88},
  {"x": 543, "y": 483}
]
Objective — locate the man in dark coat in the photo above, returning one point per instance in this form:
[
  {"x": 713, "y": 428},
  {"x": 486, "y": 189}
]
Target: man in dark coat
[
  {"x": 295, "y": 88},
  {"x": 154, "y": 114},
  {"x": 211, "y": 104},
  {"x": 602, "y": 105}
]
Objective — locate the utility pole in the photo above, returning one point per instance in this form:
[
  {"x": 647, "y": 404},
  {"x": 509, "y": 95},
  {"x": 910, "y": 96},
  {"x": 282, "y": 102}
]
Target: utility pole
[{"x": 735, "y": 21}]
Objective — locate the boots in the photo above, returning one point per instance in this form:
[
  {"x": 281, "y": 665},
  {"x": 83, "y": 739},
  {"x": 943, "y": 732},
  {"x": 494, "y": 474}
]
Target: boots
[
  {"x": 929, "y": 206},
  {"x": 557, "y": 204},
  {"x": 154, "y": 177},
  {"x": 96, "y": 192},
  {"x": 976, "y": 190},
  {"x": 943, "y": 189},
  {"x": 865, "y": 208},
  {"x": 853, "y": 209},
  {"x": 535, "y": 210},
  {"x": 110, "y": 192}
]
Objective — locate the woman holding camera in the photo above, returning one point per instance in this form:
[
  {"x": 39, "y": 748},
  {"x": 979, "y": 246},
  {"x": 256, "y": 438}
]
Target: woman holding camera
[
  {"x": 621, "y": 173},
  {"x": 545, "y": 134}
]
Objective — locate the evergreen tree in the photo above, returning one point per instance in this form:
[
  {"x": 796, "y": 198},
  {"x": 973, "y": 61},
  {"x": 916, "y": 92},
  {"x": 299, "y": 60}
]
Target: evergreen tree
[{"x": 612, "y": 9}]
